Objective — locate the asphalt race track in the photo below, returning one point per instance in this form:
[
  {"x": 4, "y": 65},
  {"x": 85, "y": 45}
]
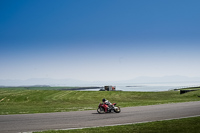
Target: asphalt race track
[{"x": 82, "y": 119}]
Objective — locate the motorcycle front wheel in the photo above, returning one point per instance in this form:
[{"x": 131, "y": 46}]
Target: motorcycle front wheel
[
  {"x": 100, "y": 110},
  {"x": 117, "y": 110}
]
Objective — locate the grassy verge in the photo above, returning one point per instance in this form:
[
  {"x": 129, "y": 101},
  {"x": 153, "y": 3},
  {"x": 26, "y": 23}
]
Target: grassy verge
[
  {"x": 191, "y": 88},
  {"x": 186, "y": 125},
  {"x": 39, "y": 88},
  {"x": 16, "y": 101}
]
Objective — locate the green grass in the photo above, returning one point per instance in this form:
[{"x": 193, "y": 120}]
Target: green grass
[
  {"x": 186, "y": 125},
  {"x": 191, "y": 88},
  {"x": 36, "y": 88},
  {"x": 19, "y": 101}
]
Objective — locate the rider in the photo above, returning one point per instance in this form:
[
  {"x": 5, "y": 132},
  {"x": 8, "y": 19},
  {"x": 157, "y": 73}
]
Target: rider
[{"x": 108, "y": 103}]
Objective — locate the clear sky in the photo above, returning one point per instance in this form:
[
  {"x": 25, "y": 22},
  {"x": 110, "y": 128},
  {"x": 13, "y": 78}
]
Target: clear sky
[{"x": 99, "y": 39}]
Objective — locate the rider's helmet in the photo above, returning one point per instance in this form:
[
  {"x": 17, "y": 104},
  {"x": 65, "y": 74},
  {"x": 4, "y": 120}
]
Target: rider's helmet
[{"x": 103, "y": 100}]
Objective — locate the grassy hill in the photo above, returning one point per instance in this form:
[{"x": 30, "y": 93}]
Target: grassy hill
[{"x": 20, "y": 101}]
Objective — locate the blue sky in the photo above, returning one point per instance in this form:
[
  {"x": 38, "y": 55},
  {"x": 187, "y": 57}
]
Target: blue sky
[{"x": 99, "y": 40}]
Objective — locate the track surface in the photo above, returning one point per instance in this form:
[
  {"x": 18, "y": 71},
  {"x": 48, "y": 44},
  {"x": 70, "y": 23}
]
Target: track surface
[{"x": 80, "y": 119}]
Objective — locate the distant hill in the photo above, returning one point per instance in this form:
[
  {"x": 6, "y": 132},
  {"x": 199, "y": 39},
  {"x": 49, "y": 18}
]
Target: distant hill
[
  {"x": 42, "y": 81},
  {"x": 175, "y": 78}
]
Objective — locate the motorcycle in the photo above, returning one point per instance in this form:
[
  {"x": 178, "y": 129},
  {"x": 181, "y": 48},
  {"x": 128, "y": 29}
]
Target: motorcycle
[{"x": 103, "y": 108}]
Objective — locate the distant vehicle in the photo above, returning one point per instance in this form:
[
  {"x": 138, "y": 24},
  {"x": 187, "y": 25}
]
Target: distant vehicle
[{"x": 108, "y": 88}]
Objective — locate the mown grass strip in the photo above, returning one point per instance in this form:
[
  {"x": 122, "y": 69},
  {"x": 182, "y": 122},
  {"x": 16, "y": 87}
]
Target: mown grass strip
[
  {"x": 43, "y": 101},
  {"x": 185, "y": 125},
  {"x": 37, "y": 88}
]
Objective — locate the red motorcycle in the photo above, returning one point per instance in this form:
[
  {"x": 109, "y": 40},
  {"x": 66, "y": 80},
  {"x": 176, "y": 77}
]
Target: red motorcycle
[{"x": 103, "y": 108}]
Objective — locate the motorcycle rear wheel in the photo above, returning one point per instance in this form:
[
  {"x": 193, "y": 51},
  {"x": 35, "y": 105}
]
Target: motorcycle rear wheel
[
  {"x": 117, "y": 110},
  {"x": 101, "y": 110}
]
